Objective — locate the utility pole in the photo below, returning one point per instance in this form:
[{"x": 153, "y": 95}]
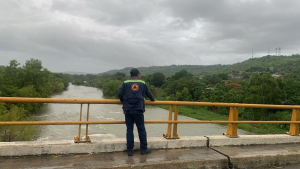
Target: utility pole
[
  {"x": 279, "y": 51},
  {"x": 276, "y": 52},
  {"x": 252, "y": 53}
]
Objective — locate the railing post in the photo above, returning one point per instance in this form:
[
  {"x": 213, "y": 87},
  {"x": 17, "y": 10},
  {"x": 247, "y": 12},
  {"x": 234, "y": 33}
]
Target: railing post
[
  {"x": 175, "y": 135},
  {"x": 232, "y": 127},
  {"x": 87, "y": 138},
  {"x": 294, "y": 128},
  {"x": 169, "y": 130},
  {"x": 77, "y": 138}
]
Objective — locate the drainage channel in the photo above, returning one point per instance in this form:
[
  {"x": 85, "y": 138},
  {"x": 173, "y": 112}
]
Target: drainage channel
[{"x": 229, "y": 164}]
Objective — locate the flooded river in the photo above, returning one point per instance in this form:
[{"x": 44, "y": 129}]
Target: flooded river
[{"x": 70, "y": 112}]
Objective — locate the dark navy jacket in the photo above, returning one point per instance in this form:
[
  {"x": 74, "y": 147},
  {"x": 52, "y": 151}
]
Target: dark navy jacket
[{"x": 132, "y": 94}]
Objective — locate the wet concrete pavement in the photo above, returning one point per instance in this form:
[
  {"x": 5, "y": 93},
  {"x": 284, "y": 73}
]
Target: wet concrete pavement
[
  {"x": 266, "y": 156},
  {"x": 288, "y": 167},
  {"x": 120, "y": 159},
  {"x": 263, "y": 156}
]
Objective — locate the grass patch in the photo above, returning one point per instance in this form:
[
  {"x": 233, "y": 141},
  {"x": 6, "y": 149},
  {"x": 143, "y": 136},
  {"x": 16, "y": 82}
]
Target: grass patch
[{"x": 202, "y": 113}]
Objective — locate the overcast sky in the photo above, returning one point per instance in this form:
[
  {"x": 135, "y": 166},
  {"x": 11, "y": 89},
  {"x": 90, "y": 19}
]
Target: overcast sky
[{"x": 97, "y": 36}]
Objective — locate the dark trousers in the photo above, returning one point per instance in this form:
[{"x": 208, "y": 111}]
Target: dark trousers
[{"x": 139, "y": 121}]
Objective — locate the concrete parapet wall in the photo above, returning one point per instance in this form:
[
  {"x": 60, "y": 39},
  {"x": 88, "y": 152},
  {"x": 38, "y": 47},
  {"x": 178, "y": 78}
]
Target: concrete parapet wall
[
  {"x": 111, "y": 145},
  {"x": 116, "y": 145},
  {"x": 265, "y": 161},
  {"x": 253, "y": 140}
]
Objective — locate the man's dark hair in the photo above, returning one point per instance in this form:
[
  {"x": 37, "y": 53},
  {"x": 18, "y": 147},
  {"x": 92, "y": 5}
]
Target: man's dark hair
[{"x": 134, "y": 72}]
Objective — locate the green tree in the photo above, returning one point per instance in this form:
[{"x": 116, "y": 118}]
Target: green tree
[
  {"x": 263, "y": 89},
  {"x": 29, "y": 80},
  {"x": 212, "y": 79},
  {"x": 198, "y": 90},
  {"x": 182, "y": 73},
  {"x": 118, "y": 76},
  {"x": 171, "y": 97},
  {"x": 153, "y": 90},
  {"x": 158, "y": 79},
  {"x": 179, "y": 96},
  {"x": 111, "y": 88},
  {"x": 223, "y": 76},
  {"x": 9, "y": 133},
  {"x": 186, "y": 94},
  {"x": 234, "y": 95},
  {"x": 293, "y": 92}
]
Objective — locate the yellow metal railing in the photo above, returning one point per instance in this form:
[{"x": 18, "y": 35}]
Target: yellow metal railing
[{"x": 232, "y": 120}]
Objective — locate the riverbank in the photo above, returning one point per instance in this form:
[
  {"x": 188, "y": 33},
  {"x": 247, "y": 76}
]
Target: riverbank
[{"x": 202, "y": 113}]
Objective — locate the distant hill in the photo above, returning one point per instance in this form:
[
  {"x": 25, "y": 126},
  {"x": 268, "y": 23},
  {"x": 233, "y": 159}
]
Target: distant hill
[
  {"x": 281, "y": 63},
  {"x": 77, "y": 73},
  {"x": 170, "y": 70}
]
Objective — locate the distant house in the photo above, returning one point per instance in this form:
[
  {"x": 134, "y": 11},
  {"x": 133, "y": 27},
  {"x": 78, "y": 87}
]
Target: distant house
[
  {"x": 226, "y": 81},
  {"x": 209, "y": 89},
  {"x": 238, "y": 78},
  {"x": 230, "y": 74},
  {"x": 275, "y": 75}
]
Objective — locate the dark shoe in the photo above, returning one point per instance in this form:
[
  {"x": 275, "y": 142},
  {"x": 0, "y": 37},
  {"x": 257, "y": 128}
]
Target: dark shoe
[
  {"x": 130, "y": 152},
  {"x": 148, "y": 151}
]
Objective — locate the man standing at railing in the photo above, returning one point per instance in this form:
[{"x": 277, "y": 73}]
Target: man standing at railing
[{"x": 132, "y": 94}]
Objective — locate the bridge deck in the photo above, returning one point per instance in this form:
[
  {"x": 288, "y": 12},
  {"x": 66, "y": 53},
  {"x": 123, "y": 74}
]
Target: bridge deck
[{"x": 260, "y": 156}]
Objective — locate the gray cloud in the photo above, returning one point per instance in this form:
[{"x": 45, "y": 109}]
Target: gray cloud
[
  {"x": 244, "y": 24},
  {"x": 96, "y": 36}
]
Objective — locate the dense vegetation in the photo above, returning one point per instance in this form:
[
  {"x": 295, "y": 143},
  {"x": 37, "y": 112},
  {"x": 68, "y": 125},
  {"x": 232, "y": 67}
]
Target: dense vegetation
[
  {"x": 29, "y": 80},
  {"x": 284, "y": 64},
  {"x": 266, "y": 80}
]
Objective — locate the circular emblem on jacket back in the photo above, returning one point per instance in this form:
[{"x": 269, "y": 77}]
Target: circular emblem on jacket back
[{"x": 134, "y": 87}]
